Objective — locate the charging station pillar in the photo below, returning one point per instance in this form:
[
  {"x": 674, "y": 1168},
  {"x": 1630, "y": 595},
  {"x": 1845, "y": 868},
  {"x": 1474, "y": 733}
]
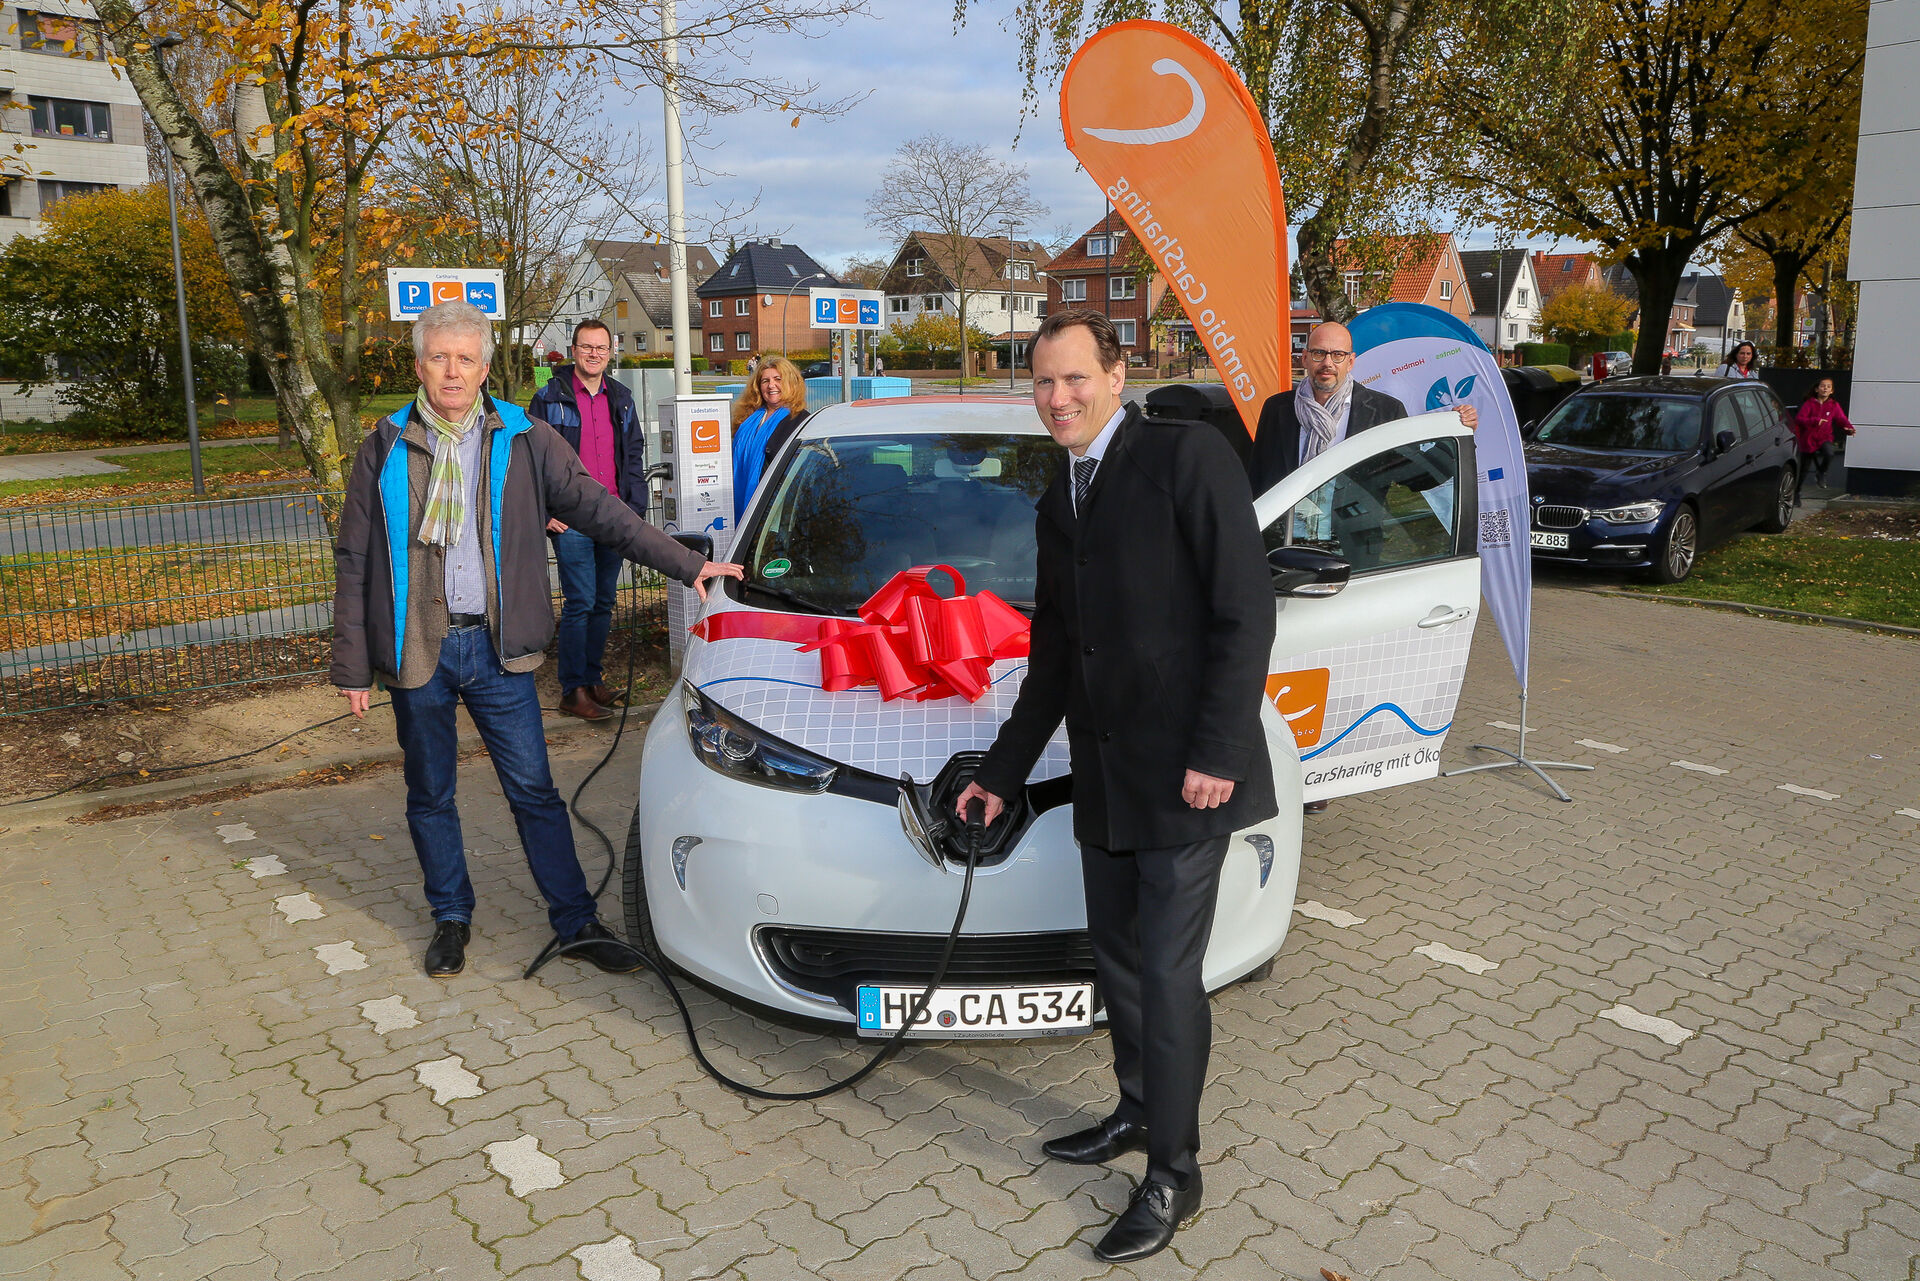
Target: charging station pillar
[{"x": 697, "y": 435}]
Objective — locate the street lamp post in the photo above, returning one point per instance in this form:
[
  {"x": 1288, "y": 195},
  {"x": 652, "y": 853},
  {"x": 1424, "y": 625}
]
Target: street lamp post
[
  {"x": 1499, "y": 301},
  {"x": 818, "y": 275},
  {"x": 180, "y": 299}
]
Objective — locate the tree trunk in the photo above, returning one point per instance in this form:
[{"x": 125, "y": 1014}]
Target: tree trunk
[
  {"x": 1786, "y": 282},
  {"x": 1657, "y": 272},
  {"x": 261, "y": 275},
  {"x": 1318, "y": 271}
]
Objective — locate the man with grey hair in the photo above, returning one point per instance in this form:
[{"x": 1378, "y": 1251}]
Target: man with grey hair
[{"x": 441, "y": 593}]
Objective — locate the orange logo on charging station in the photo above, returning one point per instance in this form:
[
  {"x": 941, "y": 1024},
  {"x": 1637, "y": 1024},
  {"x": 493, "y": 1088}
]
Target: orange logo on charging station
[
  {"x": 1301, "y": 699},
  {"x": 706, "y": 435},
  {"x": 849, "y": 311}
]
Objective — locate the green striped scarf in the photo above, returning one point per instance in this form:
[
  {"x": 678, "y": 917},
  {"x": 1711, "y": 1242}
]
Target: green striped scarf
[{"x": 446, "y": 510}]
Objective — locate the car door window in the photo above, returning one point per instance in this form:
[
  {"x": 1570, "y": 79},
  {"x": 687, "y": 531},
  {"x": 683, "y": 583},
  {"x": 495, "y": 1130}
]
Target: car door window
[
  {"x": 1732, "y": 414},
  {"x": 1393, "y": 509},
  {"x": 1761, "y": 410}
]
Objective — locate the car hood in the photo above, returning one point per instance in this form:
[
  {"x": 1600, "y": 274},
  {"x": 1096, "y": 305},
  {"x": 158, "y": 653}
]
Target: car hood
[
  {"x": 1600, "y": 478},
  {"x": 768, "y": 681}
]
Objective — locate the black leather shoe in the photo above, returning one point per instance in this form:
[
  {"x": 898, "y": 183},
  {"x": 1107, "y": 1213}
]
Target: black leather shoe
[
  {"x": 1148, "y": 1223},
  {"x": 447, "y": 954},
  {"x": 604, "y": 950},
  {"x": 1102, "y": 1143}
]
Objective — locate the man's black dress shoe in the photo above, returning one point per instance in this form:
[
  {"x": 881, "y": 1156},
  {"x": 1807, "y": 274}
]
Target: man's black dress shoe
[
  {"x": 447, "y": 954},
  {"x": 1148, "y": 1223},
  {"x": 1101, "y": 1143},
  {"x": 604, "y": 950}
]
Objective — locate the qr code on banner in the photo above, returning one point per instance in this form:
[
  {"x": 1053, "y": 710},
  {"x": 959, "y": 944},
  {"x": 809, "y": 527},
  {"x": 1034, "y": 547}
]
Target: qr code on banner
[{"x": 1494, "y": 529}]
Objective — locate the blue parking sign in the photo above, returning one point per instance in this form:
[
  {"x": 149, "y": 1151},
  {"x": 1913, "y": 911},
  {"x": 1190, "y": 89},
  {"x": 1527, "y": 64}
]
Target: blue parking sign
[
  {"x": 413, "y": 295},
  {"x": 823, "y": 310},
  {"x": 482, "y": 294},
  {"x": 870, "y": 311}
]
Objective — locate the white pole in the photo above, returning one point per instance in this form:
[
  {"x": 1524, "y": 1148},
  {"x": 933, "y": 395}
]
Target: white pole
[{"x": 676, "y": 211}]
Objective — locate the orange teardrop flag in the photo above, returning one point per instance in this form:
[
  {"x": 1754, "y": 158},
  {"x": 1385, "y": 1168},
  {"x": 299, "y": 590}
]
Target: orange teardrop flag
[{"x": 1161, "y": 122}]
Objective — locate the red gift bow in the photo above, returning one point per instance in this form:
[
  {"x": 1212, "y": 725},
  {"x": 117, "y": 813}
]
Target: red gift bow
[{"x": 916, "y": 644}]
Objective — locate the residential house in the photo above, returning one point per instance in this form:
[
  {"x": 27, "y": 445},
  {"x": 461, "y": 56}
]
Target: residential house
[
  {"x": 1554, "y": 272},
  {"x": 1680, "y": 334},
  {"x": 1426, "y": 269},
  {"x": 79, "y": 124},
  {"x": 1719, "y": 316},
  {"x": 625, "y": 284},
  {"x": 1506, "y": 296},
  {"x": 1099, "y": 270},
  {"x": 1006, "y": 287},
  {"x": 756, "y": 301}
]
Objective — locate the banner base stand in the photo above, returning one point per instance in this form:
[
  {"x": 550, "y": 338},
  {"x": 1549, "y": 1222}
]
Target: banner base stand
[{"x": 1518, "y": 758}]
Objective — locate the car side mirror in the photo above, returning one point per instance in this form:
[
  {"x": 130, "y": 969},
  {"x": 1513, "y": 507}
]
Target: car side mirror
[
  {"x": 1527, "y": 429},
  {"x": 1724, "y": 441},
  {"x": 702, "y": 543},
  {"x": 1307, "y": 571}
]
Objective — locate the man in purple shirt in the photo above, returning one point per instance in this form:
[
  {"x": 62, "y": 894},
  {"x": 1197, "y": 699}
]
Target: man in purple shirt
[{"x": 595, "y": 415}]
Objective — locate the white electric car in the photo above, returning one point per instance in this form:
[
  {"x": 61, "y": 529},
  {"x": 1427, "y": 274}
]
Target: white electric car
[{"x": 780, "y": 851}]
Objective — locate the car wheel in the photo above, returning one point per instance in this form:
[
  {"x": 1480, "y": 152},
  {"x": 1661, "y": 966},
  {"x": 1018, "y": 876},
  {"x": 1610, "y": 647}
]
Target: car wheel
[
  {"x": 1259, "y": 973},
  {"x": 1680, "y": 547},
  {"x": 1782, "y": 514},
  {"x": 633, "y": 894}
]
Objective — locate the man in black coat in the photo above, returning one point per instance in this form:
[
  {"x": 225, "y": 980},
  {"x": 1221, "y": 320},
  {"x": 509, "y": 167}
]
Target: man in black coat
[{"x": 1152, "y": 626}]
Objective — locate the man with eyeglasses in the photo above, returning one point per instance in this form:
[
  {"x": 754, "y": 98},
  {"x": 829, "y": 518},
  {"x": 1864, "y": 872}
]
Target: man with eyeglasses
[
  {"x": 441, "y": 594},
  {"x": 594, "y": 414},
  {"x": 1323, "y": 409}
]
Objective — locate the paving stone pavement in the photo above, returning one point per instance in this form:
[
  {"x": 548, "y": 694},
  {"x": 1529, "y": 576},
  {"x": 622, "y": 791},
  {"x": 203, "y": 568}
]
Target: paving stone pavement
[{"x": 190, "y": 1093}]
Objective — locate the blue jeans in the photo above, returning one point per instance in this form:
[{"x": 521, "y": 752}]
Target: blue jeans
[
  {"x": 589, "y": 575},
  {"x": 506, "y": 711}
]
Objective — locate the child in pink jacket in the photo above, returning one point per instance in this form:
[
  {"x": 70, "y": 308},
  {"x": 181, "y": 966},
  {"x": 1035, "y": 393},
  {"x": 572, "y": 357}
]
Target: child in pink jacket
[{"x": 1814, "y": 430}]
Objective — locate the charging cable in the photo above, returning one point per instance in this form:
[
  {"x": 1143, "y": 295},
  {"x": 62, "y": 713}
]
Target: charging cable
[{"x": 976, "y": 828}]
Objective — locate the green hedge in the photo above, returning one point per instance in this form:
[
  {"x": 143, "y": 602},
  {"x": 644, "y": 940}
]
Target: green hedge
[
  {"x": 1543, "y": 353},
  {"x": 699, "y": 363}
]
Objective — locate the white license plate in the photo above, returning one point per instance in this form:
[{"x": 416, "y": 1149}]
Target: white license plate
[
  {"x": 1557, "y": 542},
  {"x": 978, "y": 1011}
]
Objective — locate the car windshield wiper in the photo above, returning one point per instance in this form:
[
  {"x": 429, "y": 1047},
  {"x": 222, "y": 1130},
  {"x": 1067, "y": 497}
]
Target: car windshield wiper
[{"x": 786, "y": 595}]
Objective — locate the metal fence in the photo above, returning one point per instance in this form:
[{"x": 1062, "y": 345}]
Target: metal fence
[{"x": 103, "y": 602}]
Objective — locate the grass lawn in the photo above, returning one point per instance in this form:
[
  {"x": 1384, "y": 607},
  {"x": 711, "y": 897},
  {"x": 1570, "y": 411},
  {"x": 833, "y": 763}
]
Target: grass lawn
[
  {"x": 1875, "y": 580},
  {"x": 153, "y": 477},
  {"x": 100, "y": 593}
]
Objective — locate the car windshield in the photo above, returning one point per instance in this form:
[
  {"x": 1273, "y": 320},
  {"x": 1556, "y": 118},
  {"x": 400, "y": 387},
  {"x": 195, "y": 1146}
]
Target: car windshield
[
  {"x": 850, "y": 512},
  {"x": 1646, "y": 424}
]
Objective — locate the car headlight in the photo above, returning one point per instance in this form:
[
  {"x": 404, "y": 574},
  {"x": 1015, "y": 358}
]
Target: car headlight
[
  {"x": 1633, "y": 513},
  {"x": 739, "y": 750}
]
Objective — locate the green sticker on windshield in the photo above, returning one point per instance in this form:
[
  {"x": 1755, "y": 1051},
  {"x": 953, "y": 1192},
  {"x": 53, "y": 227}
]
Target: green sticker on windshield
[{"x": 775, "y": 568}]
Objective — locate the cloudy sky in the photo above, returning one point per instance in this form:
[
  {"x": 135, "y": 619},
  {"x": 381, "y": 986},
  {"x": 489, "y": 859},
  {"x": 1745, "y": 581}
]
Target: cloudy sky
[{"x": 813, "y": 181}]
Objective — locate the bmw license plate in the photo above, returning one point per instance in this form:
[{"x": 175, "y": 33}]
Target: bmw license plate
[
  {"x": 1555, "y": 542},
  {"x": 1051, "y": 1010}
]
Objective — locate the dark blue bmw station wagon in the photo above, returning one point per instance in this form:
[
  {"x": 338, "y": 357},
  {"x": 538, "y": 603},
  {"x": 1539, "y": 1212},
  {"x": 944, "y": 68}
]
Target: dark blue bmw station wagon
[{"x": 1643, "y": 473}]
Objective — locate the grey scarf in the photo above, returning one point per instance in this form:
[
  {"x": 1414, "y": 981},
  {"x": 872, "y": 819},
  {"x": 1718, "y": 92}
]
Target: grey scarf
[{"x": 1322, "y": 422}]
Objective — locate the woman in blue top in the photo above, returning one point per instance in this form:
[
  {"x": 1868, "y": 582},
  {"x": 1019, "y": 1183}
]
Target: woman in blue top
[{"x": 771, "y": 409}]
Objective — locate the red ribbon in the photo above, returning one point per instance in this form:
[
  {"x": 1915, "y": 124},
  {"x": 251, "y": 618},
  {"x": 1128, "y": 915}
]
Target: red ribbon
[{"x": 910, "y": 643}]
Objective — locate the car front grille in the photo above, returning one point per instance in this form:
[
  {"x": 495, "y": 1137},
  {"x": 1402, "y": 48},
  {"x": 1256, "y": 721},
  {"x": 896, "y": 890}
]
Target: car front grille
[
  {"x": 832, "y": 963},
  {"x": 1549, "y": 517}
]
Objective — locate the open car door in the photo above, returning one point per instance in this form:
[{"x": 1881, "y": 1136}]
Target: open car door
[{"x": 1376, "y": 588}]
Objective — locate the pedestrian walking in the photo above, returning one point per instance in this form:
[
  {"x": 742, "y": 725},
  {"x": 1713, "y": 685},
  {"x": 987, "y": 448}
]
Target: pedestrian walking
[
  {"x": 1816, "y": 427},
  {"x": 1743, "y": 362},
  {"x": 440, "y": 573}
]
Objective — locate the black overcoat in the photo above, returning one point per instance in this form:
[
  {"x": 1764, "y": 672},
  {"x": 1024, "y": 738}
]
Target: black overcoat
[
  {"x": 1276, "y": 441},
  {"x": 1153, "y": 623}
]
